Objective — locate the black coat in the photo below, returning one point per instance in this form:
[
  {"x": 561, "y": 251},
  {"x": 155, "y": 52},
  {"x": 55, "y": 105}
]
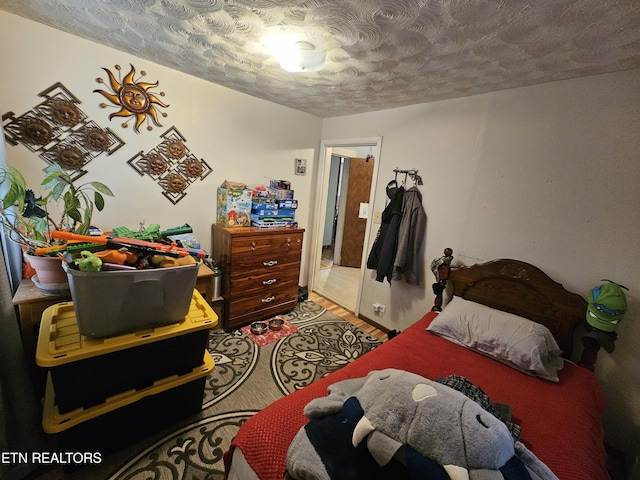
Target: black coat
[{"x": 383, "y": 251}]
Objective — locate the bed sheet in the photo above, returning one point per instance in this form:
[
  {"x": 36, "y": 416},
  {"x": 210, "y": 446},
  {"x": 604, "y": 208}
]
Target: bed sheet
[{"x": 561, "y": 422}]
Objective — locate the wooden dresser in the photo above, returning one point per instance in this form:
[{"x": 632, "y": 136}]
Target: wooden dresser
[{"x": 260, "y": 272}]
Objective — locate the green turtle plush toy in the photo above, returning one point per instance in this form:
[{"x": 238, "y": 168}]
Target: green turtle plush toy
[{"x": 607, "y": 305}]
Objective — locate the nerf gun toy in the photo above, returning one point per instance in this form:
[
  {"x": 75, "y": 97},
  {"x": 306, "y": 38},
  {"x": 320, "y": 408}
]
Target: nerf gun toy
[
  {"x": 152, "y": 233},
  {"x": 186, "y": 228},
  {"x": 133, "y": 244},
  {"x": 71, "y": 246}
]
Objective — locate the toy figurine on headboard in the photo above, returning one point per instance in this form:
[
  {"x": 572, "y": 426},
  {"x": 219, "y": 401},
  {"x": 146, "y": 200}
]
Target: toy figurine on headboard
[
  {"x": 440, "y": 268},
  {"x": 606, "y": 308}
]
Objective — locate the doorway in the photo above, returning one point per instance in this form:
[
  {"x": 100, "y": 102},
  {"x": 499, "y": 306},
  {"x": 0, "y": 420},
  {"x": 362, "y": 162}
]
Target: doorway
[{"x": 347, "y": 175}]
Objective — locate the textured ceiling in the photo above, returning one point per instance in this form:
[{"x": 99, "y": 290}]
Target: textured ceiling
[{"x": 380, "y": 53}]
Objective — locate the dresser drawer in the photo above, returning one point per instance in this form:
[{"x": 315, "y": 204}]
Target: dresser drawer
[
  {"x": 243, "y": 265},
  {"x": 257, "y": 283},
  {"x": 269, "y": 298},
  {"x": 257, "y": 245}
]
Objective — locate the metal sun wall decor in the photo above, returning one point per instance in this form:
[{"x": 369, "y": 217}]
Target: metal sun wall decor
[
  {"x": 60, "y": 132},
  {"x": 171, "y": 165},
  {"x": 133, "y": 97}
]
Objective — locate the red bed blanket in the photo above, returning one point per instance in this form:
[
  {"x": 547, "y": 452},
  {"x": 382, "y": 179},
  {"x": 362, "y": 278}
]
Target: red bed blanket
[{"x": 561, "y": 422}]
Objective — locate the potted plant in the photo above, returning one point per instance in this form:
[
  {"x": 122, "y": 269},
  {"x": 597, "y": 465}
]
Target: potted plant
[{"x": 28, "y": 220}]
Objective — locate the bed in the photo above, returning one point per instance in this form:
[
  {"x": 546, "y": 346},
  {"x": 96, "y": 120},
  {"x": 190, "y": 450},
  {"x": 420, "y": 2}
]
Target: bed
[{"x": 560, "y": 421}]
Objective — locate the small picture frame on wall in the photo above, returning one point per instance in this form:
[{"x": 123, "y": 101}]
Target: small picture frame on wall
[{"x": 300, "y": 166}]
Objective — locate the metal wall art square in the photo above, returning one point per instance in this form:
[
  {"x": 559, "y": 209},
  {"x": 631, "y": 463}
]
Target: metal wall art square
[
  {"x": 60, "y": 132},
  {"x": 171, "y": 165}
]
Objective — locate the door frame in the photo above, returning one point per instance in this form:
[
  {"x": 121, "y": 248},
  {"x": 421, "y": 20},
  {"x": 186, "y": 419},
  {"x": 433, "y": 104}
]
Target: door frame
[{"x": 324, "y": 165}]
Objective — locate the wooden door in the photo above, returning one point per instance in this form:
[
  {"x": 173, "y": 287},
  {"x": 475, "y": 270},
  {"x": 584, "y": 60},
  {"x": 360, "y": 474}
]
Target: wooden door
[{"x": 358, "y": 189}]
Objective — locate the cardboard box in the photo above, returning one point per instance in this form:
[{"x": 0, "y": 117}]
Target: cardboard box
[
  {"x": 290, "y": 204},
  {"x": 281, "y": 194},
  {"x": 233, "y": 207},
  {"x": 280, "y": 184},
  {"x": 260, "y": 193},
  {"x": 264, "y": 205},
  {"x": 285, "y": 212},
  {"x": 271, "y": 222},
  {"x": 279, "y": 221}
]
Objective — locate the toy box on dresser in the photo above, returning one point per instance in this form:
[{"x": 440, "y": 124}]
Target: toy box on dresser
[
  {"x": 274, "y": 206},
  {"x": 233, "y": 205}
]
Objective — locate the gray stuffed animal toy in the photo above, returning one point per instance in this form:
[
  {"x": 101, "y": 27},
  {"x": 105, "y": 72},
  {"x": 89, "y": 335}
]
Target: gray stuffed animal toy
[{"x": 395, "y": 424}]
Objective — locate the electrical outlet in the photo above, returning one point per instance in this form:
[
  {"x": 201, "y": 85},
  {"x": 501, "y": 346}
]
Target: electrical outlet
[
  {"x": 379, "y": 309},
  {"x": 377, "y": 217}
]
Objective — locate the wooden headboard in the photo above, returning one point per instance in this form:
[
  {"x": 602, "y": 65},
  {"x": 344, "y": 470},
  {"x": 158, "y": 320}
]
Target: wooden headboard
[{"x": 522, "y": 289}]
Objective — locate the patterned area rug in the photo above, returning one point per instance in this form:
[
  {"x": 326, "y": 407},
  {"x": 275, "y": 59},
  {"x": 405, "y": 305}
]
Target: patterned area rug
[{"x": 246, "y": 378}]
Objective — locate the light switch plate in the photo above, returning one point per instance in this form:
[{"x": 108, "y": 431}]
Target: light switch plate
[
  {"x": 300, "y": 166},
  {"x": 364, "y": 210}
]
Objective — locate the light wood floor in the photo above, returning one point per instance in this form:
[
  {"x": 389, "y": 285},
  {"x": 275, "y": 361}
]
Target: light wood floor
[
  {"x": 348, "y": 316},
  {"x": 340, "y": 284}
]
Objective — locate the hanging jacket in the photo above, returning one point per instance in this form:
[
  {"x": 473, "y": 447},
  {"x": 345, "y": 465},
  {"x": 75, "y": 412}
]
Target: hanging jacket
[
  {"x": 411, "y": 232},
  {"x": 383, "y": 251}
]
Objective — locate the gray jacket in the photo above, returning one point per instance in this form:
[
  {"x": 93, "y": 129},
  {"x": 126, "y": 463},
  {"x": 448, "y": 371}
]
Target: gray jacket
[{"x": 411, "y": 233}]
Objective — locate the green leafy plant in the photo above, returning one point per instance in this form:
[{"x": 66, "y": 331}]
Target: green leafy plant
[{"x": 30, "y": 222}]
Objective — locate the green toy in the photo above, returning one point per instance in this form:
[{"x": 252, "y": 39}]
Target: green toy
[
  {"x": 88, "y": 262},
  {"x": 152, "y": 233},
  {"x": 607, "y": 306}
]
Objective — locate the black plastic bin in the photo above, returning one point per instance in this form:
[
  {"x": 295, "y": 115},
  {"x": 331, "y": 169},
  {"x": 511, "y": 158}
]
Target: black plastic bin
[
  {"x": 125, "y": 419},
  {"x": 86, "y": 371}
]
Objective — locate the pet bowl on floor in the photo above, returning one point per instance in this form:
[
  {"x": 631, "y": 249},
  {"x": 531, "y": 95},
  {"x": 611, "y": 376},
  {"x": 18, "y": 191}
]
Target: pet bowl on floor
[
  {"x": 258, "y": 328},
  {"x": 276, "y": 323}
]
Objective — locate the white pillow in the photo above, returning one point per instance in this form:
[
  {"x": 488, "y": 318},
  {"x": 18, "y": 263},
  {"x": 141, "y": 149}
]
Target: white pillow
[{"x": 520, "y": 343}]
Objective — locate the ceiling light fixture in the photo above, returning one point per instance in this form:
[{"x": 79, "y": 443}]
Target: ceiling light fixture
[{"x": 297, "y": 56}]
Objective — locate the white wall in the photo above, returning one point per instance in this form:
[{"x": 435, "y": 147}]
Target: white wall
[
  {"x": 236, "y": 134},
  {"x": 548, "y": 174}
]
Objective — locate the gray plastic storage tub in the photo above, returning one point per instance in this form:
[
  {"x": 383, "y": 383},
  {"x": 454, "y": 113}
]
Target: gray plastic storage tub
[{"x": 111, "y": 303}]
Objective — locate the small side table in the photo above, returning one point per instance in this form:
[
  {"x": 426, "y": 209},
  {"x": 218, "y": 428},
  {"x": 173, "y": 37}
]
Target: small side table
[
  {"x": 204, "y": 283},
  {"x": 30, "y": 304}
]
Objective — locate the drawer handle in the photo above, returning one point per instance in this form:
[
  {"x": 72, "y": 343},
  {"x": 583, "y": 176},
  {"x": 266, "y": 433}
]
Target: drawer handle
[
  {"x": 268, "y": 299},
  {"x": 253, "y": 246},
  {"x": 270, "y": 263},
  {"x": 269, "y": 282}
]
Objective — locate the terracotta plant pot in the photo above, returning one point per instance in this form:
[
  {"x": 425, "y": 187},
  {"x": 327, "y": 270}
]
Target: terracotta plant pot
[{"x": 48, "y": 269}]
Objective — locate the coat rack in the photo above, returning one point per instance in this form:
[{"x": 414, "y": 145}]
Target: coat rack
[{"x": 413, "y": 174}]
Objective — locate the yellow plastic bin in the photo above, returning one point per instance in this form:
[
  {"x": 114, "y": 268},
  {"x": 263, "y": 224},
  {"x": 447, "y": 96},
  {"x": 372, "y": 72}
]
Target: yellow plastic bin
[
  {"x": 86, "y": 371},
  {"x": 127, "y": 417}
]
